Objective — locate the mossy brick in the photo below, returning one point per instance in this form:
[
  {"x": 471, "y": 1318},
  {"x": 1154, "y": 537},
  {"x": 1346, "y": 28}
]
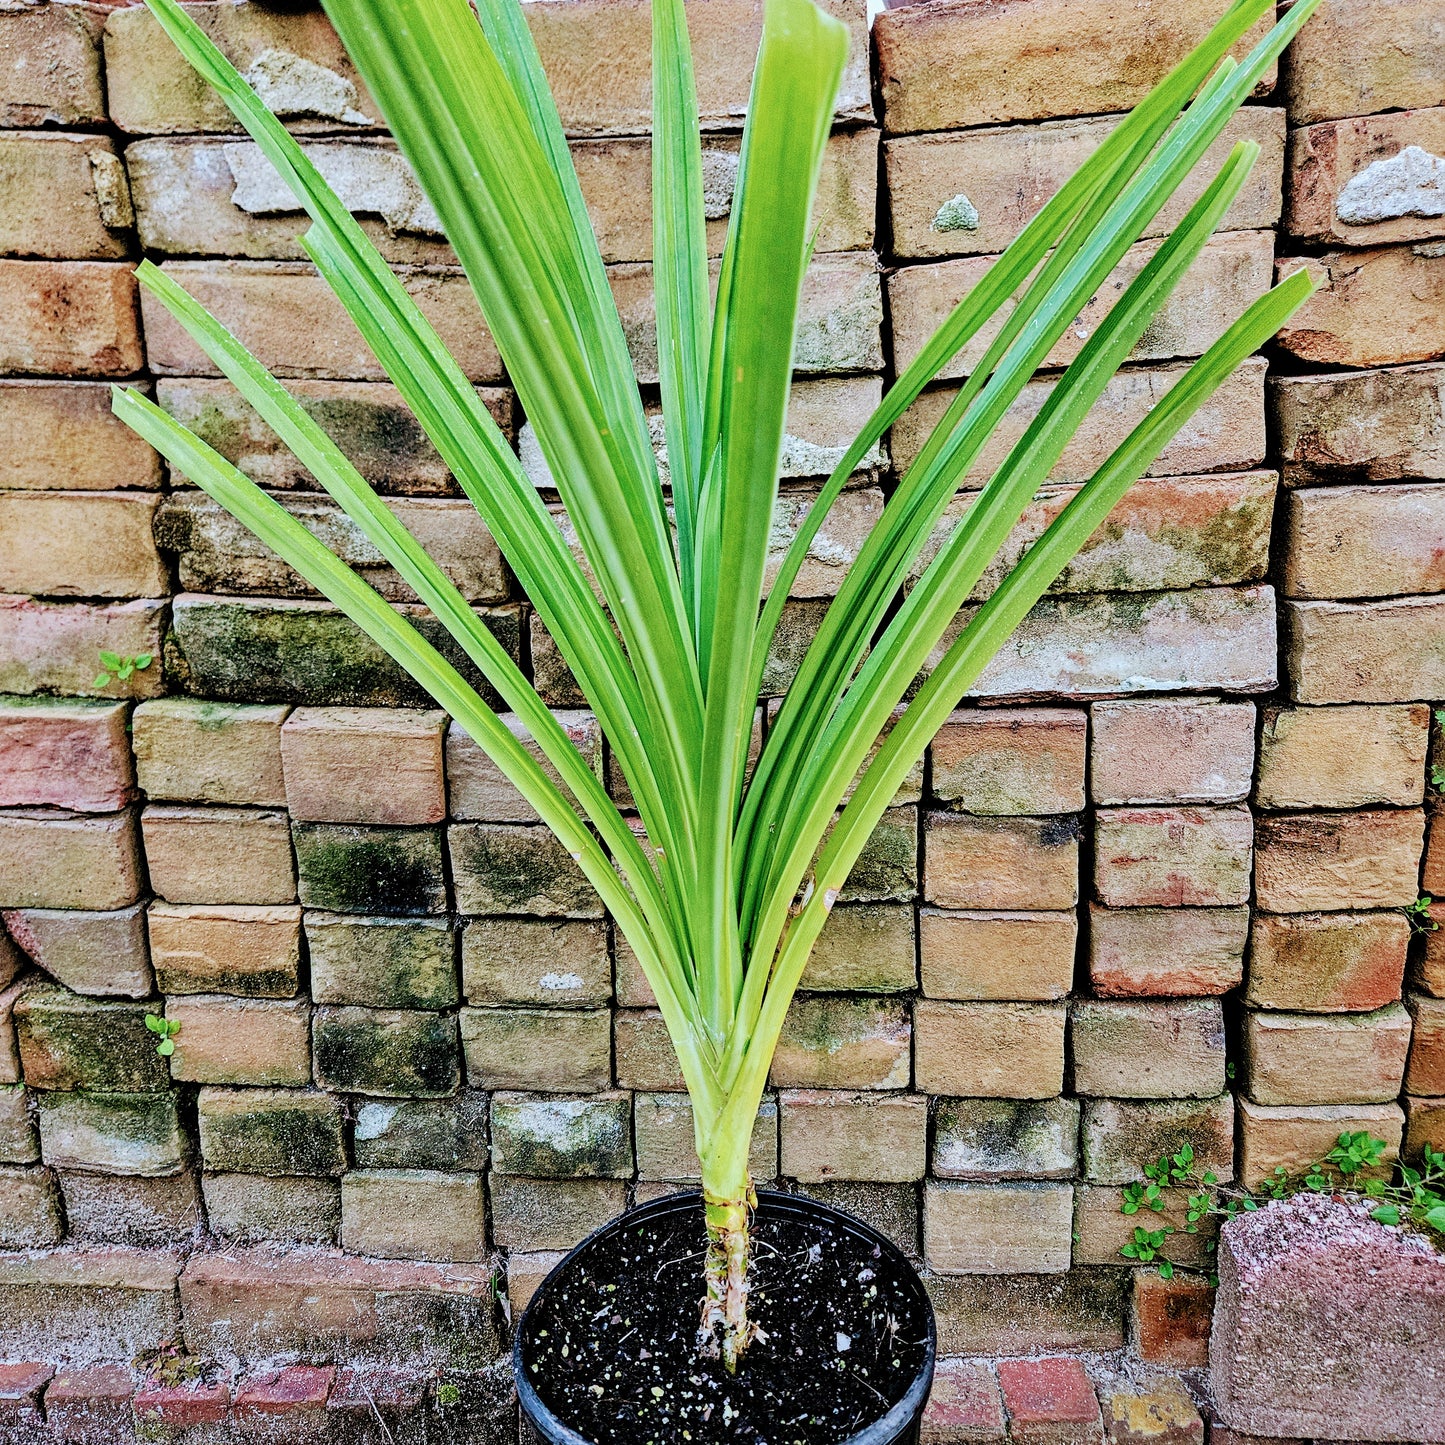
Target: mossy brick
[
  {"x": 1342, "y": 757},
  {"x": 1011, "y": 761},
  {"x": 852, "y": 1135},
  {"x": 887, "y": 868},
  {"x": 146, "y": 1213},
  {"x": 1326, "y": 962},
  {"x": 191, "y": 750},
  {"x": 478, "y": 790},
  {"x": 225, "y": 1040},
  {"x": 68, "y": 753},
  {"x": 59, "y": 435},
  {"x": 531, "y": 1214},
  {"x": 1018, "y": 1314},
  {"x": 422, "y": 1133},
  {"x": 662, "y": 1126},
  {"x": 70, "y": 1042},
  {"x": 53, "y": 646},
  {"x": 864, "y": 948},
  {"x": 1155, "y": 1049},
  {"x": 218, "y": 855},
  {"x": 970, "y": 954},
  {"x": 68, "y": 860},
  {"x": 270, "y": 1131},
  {"x": 50, "y": 68},
  {"x": 272, "y": 1209},
  {"x": 517, "y": 868},
  {"x": 549, "y": 1136},
  {"x": 989, "y": 1050},
  {"x": 1166, "y": 952},
  {"x": 645, "y": 1057},
  {"x": 69, "y": 318},
  {"x": 355, "y": 868},
  {"x": 413, "y": 1214},
  {"x": 547, "y": 1050},
  {"x": 1123, "y": 1137},
  {"x": 544, "y": 962},
  {"x": 1293, "y": 1137},
  {"x": 309, "y": 653},
  {"x": 30, "y": 1210},
  {"x": 389, "y": 1053},
  {"x": 102, "y": 954},
  {"x": 1101, "y": 1229},
  {"x": 1006, "y": 1139},
  {"x": 1171, "y": 750},
  {"x": 1296, "y": 1058},
  {"x": 253, "y": 950},
  {"x": 997, "y": 1228},
  {"x": 1311, "y": 862},
  {"x": 892, "y": 1209},
  {"x": 381, "y": 962},
  {"x": 834, "y": 1041},
  {"x": 111, "y": 1133},
  {"x": 18, "y": 1141},
  {"x": 64, "y": 196},
  {"x": 1171, "y": 857},
  {"x": 1001, "y": 863}
]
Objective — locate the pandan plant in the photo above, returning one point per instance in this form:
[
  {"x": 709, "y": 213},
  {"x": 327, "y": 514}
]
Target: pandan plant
[{"x": 724, "y": 880}]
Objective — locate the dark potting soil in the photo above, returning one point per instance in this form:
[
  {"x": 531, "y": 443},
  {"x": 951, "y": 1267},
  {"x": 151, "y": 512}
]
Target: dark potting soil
[{"x": 612, "y": 1350}]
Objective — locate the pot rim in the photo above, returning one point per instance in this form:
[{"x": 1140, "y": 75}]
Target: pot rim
[{"x": 881, "y": 1431}]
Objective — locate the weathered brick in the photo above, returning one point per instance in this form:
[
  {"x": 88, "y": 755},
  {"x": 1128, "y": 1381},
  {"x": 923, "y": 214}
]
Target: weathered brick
[
  {"x": 1152, "y": 1050},
  {"x": 864, "y": 948},
  {"x": 296, "y": 1393},
  {"x": 974, "y": 955},
  {"x": 1326, "y": 962},
  {"x": 58, "y": 435},
  {"x": 1424, "y": 1124},
  {"x": 546, "y": 962},
  {"x": 30, "y": 1213},
  {"x": 1355, "y": 58},
  {"x": 1429, "y": 971},
  {"x": 1083, "y": 1309},
  {"x": 56, "y": 646},
  {"x": 551, "y": 1137},
  {"x": 265, "y": 1209},
  {"x": 887, "y": 868},
  {"x": 391, "y": 1053},
  {"x": 645, "y": 1058},
  {"x": 218, "y": 855},
  {"x": 422, "y": 1133},
  {"x": 1171, "y": 750},
  {"x": 1312, "y": 861},
  {"x": 1011, "y": 761},
  {"x": 1166, "y": 857},
  {"x": 1122, "y": 1137},
  {"x": 1166, "y": 952},
  {"x": 892, "y": 1209},
  {"x": 195, "y": 1404},
  {"x": 531, "y": 1214},
  {"x": 1170, "y": 1319},
  {"x": 69, "y": 1042},
  {"x": 287, "y": 315},
  {"x": 964, "y": 1404},
  {"x": 69, "y": 318},
  {"x": 1365, "y": 651},
  {"x": 996, "y": 863},
  {"x": 517, "y": 868},
  {"x": 9, "y": 1050},
  {"x": 68, "y": 860},
  {"x": 1295, "y": 1058},
  {"x": 525, "y": 1273},
  {"x": 989, "y": 1050},
  {"x": 551, "y": 1050},
  {"x": 832, "y": 1134},
  {"x": 381, "y": 962},
  {"x": 209, "y": 752},
  {"x": 832, "y": 1042},
  {"x": 50, "y": 68},
  {"x": 270, "y": 1131},
  {"x": 18, "y": 1141},
  {"x": 158, "y": 1213},
  {"x": 111, "y": 1133},
  {"x": 1049, "y": 1400},
  {"x": 1363, "y": 541},
  {"x": 370, "y": 869},
  {"x": 225, "y": 1040},
  {"x": 99, "y": 954},
  {"x": 1161, "y": 1412},
  {"x": 91, "y": 1405},
  {"x": 946, "y": 67},
  {"x": 247, "y": 949},
  {"x": 1360, "y": 426},
  {"x": 1006, "y": 1139},
  {"x": 413, "y": 1214},
  {"x": 1425, "y": 1073},
  {"x": 1292, "y": 1137},
  {"x": 64, "y": 753},
  {"x": 80, "y": 544},
  {"x": 1342, "y": 757},
  {"x": 997, "y": 1228},
  {"x": 667, "y": 1145},
  {"x": 478, "y": 790},
  {"x": 1101, "y": 1229}
]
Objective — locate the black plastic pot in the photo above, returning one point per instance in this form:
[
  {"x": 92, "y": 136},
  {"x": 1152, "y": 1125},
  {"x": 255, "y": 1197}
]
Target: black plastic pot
[{"x": 901, "y": 1424}]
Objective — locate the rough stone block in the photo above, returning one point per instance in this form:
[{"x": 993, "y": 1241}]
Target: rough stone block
[
  {"x": 478, "y": 790},
  {"x": 1295, "y": 1136},
  {"x": 80, "y": 544},
  {"x": 1083, "y": 1309},
  {"x": 413, "y": 1214},
  {"x": 389, "y": 1053},
  {"x": 1011, "y": 761},
  {"x": 1170, "y": 1320},
  {"x": 247, "y": 949},
  {"x": 422, "y": 1133},
  {"x": 259, "y": 1209},
  {"x": 998, "y": 863},
  {"x": 1006, "y": 1139},
  {"x": 543, "y": 962},
  {"x": 997, "y": 1228},
  {"x": 381, "y": 962},
  {"x": 831, "y": 1134},
  {"x": 964, "y": 1404},
  {"x": 111, "y": 1133},
  {"x": 70, "y": 1042},
  {"x": 270, "y": 1131},
  {"x": 64, "y": 753},
  {"x": 551, "y": 1137},
  {"x": 864, "y": 948},
  {"x": 831, "y": 1042},
  {"x": 1306, "y": 862},
  {"x": 667, "y": 1144},
  {"x": 974, "y": 955},
  {"x": 1342, "y": 757},
  {"x": 225, "y": 1040},
  {"x": 1326, "y": 1058},
  {"x": 1167, "y": 857},
  {"x": 1363, "y": 541},
  {"x": 55, "y": 646},
  {"x": 1171, "y": 750},
  {"x": 1170, "y": 1049},
  {"x": 68, "y": 860},
  {"x": 98, "y": 954},
  {"x": 1121, "y": 1137},
  {"x": 989, "y": 1050},
  {"x": 1425, "y": 1073},
  {"x": 218, "y": 855},
  {"x": 550, "y": 1050},
  {"x": 30, "y": 1213},
  {"x": 517, "y": 868},
  {"x": 370, "y": 869},
  {"x": 1326, "y": 962},
  {"x": 532, "y": 1214},
  {"x": 69, "y": 318},
  {"x": 159, "y": 1213},
  {"x": 1166, "y": 952},
  {"x": 645, "y": 1058}
]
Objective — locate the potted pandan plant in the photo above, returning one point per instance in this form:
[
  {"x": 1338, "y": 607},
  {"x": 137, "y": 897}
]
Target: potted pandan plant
[{"x": 745, "y": 1316}]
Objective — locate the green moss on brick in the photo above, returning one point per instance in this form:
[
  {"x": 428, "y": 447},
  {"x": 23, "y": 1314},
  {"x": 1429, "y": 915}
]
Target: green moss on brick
[
  {"x": 393, "y": 1053},
  {"x": 70, "y": 1042},
  {"x": 347, "y": 868},
  {"x": 271, "y": 1131}
]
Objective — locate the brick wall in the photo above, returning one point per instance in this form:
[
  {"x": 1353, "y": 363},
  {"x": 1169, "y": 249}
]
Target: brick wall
[{"x": 1145, "y": 888}]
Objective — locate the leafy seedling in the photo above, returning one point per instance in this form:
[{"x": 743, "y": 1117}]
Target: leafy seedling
[
  {"x": 119, "y": 668},
  {"x": 167, "y": 1029}
]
